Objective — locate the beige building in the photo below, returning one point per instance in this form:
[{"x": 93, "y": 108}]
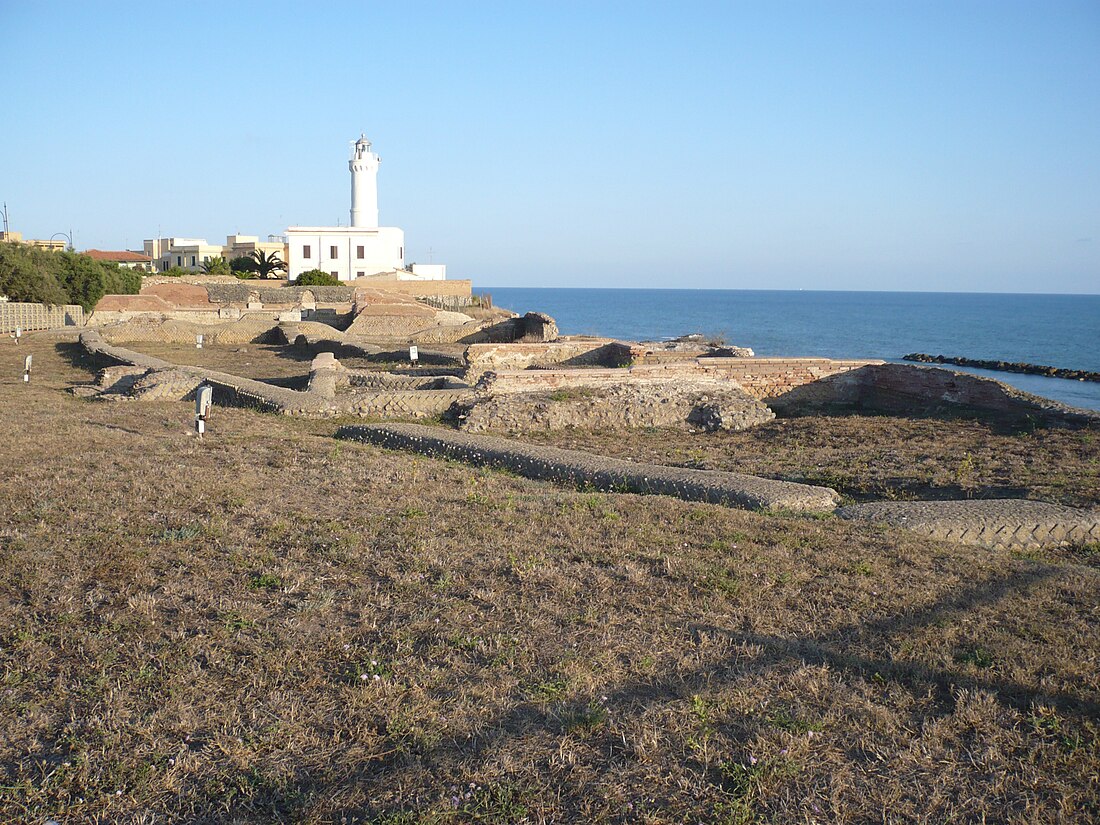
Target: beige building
[
  {"x": 17, "y": 237},
  {"x": 192, "y": 253},
  {"x": 239, "y": 246}
]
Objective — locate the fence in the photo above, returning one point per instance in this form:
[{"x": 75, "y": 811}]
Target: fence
[{"x": 39, "y": 316}]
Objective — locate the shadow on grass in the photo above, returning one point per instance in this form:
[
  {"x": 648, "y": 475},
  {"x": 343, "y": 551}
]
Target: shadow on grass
[
  {"x": 75, "y": 355},
  {"x": 831, "y": 649}
]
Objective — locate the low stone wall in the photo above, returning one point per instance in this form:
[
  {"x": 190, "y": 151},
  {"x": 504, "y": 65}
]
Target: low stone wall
[
  {"x": 14, "y": 315},
  {"x": 589, "y": 352},
  {"x": 900, "y": 389},
  {"x": 1007, "y": 524},
  {"x": 770, "y": 378},
  {"x": 229, "y": 390},
  {"x": 167, "y": 380},
  {"x": 584, "y": 469},
  {"x": 244, "y": 331},
  {"x": 417, "y": 289},
  {"x": 402, "y": 403},
  {"x": 682, "y": 404},
  {"x": 762, "y": 378}
]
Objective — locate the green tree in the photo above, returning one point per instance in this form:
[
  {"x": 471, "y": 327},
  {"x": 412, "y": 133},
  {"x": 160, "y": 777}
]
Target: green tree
[
  {"x": 243, "y": 267},
  {"x": 316, "y": 277},
  {"x": 28, "y": 274},
  {"x": 120, "y": 280},
  {"x": 268, "y": 265},
  {"x": 216, "y": 266},
  {"x": 82, "y": 277}
]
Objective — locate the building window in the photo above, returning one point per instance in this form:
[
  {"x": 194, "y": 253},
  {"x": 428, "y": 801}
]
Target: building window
[
  {"x": 360, "y": 274},
  {"x": 334, "y": 274},
  {"x": 306, "y": 251},
  {"x": 192, "y": 260},
  {"x": 332, "y": 250},
  {"x": 179, "y": 260},
  {"x": 359, "y": 252},
  {"x": 401, "y": 252}
]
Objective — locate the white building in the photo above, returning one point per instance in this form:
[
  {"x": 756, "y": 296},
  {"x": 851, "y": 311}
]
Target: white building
[
  {"x": 185, "y": 253},
  {"x": 362, "y": 249}
]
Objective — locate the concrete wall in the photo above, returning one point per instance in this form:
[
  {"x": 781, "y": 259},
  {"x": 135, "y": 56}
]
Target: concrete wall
[{"x": 39, "y": 316}]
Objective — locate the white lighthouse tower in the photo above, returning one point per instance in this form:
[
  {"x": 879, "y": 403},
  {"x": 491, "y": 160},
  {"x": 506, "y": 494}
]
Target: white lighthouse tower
[
  {"x": 364, "y": 249},
  {"x": 364, "y": 185}
]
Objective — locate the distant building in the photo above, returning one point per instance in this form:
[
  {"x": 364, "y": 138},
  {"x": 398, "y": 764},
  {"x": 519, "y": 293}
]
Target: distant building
[
  {"x": 124, "y": 258},
  {"x": 185, "y": 253},
  {"x": 241, "y": 246},
  {"x": 362, "y": 249},
  {"x": 17, "y": 237}
]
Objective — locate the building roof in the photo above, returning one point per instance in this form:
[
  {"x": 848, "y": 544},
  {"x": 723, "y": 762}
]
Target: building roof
[{"x": 120, "y": 256}]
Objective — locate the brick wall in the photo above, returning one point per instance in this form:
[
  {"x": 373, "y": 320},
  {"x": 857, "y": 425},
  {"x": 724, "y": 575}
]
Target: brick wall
[{"x": 39, "y": 316}]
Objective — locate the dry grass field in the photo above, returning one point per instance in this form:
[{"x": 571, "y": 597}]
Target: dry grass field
[{"x": 270, "y": 625}]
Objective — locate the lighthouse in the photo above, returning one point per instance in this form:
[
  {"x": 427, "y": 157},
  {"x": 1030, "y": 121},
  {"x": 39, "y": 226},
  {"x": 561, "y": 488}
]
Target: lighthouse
[
  {"x": 364, "y": 249},
  {"x": 364, "y": 185}
]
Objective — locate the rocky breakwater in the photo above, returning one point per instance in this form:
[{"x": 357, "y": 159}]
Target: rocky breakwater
[{"x": 1004, "y": 366}]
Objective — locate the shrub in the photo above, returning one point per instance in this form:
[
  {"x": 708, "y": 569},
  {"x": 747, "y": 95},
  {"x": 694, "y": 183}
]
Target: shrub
[
  {"x": 316, "y": 277},
  {"x": 42, "y": 276}
]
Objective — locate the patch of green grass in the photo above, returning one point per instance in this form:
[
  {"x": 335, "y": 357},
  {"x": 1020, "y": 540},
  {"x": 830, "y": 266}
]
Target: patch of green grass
[
  {"x": 264, "y": 581},
  {"x": 188, "y": 532},
  {"x": 977, "y": 656},
  {"x": 784, "y": 718},
  {"x": 584, "y": 719},
  {"x": 551, "y": 690}
]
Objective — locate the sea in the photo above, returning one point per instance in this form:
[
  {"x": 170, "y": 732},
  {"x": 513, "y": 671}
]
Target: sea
[{"x": 1053, "y": 330}]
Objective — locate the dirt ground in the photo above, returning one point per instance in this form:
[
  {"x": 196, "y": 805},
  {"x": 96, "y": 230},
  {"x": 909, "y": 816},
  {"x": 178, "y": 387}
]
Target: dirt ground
[{"x": 270, "y": 625}]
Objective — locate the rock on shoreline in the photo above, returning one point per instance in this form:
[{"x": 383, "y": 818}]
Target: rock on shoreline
[{"x": 1004, "y": 366}]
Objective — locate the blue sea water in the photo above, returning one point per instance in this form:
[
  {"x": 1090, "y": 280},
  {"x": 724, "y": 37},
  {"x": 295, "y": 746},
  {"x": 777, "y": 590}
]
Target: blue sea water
[{"x": 1055, "y": 330}]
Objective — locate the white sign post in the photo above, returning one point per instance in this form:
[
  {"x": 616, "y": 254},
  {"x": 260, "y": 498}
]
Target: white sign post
[
  {"x": 17, "y": 334},
  {"x": 414, "y": 355},
  {"x": 203, "y": 398},
  {"x": 27, "y": 369},
  {"x": 198, "y": 342}
]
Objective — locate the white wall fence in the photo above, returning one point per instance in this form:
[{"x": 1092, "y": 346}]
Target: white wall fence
[{"x": 39, "y": 316}]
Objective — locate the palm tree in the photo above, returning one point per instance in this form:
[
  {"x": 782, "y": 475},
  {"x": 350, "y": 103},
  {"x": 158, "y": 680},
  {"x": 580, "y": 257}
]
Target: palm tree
[
  {"x": 267, "y": 264},
  {"x": 215, "y": 266}
]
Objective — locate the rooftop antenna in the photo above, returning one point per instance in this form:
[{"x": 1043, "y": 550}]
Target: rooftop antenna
[{"x": 5, "y": 218}]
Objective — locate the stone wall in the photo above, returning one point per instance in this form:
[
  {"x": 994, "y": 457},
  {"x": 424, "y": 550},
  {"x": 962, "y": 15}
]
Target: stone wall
[
  {"x": 247, "y": 330},
  {"x": 770, "y": 378},
  {"x": 683, "y": 404},
  {"x": 417, "y": 289},
  {"x": 39, "y": 316},
  {"x": 900, "y": 389},
  {"x": 588, "y": 352},
  {"x": 762, "y": 378}
]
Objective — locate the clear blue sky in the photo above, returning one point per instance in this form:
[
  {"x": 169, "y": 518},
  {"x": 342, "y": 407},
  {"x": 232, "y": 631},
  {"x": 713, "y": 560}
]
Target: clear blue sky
[{"x": 817, "y": 145}]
